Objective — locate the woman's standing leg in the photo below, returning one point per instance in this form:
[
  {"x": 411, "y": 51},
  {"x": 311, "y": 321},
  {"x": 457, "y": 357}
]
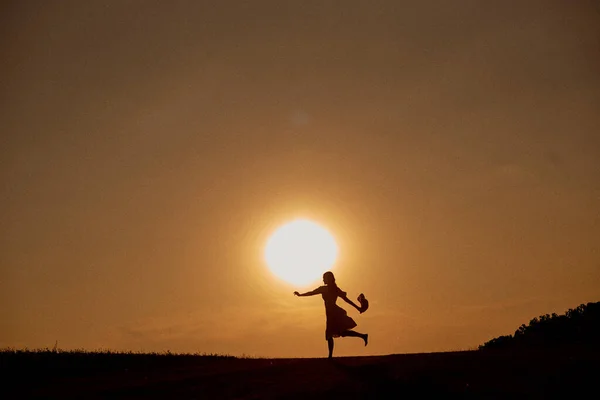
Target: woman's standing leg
[{"x": 330, "y": 346}]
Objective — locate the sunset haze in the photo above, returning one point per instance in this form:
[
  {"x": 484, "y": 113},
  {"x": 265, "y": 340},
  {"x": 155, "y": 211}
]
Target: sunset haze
[{"x": 149, "y": 149}]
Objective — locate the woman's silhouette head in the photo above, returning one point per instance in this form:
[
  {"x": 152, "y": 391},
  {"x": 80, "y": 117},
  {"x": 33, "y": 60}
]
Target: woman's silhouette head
[{"x": 328, "y": 278}]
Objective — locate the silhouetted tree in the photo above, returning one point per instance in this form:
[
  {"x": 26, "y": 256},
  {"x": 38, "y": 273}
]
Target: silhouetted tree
[{"x": 577, "y": 327}]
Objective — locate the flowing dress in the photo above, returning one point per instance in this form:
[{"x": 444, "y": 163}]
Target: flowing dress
[{"x": 338, "y": 320}]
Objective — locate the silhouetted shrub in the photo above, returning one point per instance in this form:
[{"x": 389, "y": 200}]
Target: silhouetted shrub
[{"x": 577, "y": 327}]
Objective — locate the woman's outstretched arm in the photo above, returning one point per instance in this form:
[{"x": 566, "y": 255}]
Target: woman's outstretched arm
[{"x": 311, "y": 293}]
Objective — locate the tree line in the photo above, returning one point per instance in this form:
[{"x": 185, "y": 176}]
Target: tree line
[{"x": 577, "y": 327}]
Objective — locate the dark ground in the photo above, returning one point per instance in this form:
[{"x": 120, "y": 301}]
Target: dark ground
[{"x": 470, "y": 374}]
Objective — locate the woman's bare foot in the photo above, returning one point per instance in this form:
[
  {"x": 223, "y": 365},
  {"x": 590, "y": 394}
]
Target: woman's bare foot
[{"x": 366, "y": 338}]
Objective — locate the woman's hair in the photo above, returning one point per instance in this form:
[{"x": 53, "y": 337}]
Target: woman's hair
[{"x": 329, "y": 279}]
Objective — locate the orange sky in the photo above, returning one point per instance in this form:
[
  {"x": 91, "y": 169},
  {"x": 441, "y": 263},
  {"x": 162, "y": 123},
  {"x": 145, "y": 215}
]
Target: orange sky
[{"x": 149, "y": 147}]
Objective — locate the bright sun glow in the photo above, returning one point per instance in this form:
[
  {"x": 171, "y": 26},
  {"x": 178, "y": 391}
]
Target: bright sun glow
[{"x": 300, "y": 251}]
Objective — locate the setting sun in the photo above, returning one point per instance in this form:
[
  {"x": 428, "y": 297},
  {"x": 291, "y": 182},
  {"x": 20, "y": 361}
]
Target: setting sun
[{"x": 300, "y": 251}]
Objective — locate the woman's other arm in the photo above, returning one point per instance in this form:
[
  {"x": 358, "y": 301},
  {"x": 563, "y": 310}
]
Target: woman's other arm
[{"x": 347, "y": 300}]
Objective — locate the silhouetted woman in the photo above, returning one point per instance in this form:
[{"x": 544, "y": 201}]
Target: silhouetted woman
[{"x": 338, "y": 321}]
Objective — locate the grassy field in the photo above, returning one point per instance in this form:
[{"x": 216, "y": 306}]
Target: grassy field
[{"x": 469, "y": 374}]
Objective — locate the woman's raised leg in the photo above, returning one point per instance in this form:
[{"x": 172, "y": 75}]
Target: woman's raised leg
[{"x": 363, "y": 336}]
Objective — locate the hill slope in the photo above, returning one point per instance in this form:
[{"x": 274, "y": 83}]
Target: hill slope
[{"x": 472, "y": 373}]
